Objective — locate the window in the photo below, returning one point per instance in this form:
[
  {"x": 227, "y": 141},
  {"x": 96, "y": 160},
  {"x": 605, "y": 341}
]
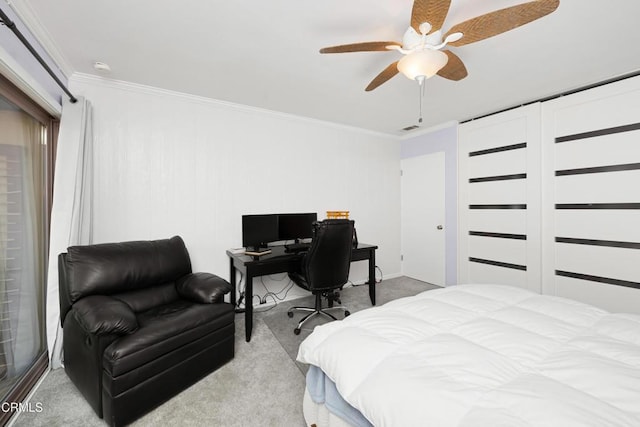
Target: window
[{"x": 27, "y": 136}]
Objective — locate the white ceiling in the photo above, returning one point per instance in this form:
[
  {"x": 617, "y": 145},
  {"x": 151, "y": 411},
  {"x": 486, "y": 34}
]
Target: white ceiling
[{"x": 265, "y": 53}]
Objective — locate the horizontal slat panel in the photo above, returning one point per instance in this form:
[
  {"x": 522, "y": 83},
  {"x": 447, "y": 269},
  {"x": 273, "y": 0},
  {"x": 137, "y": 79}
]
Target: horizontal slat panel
[
  {"x": 599, "y": 224},
  {"x": 613, "y": 187},
  {"x": 498, "y": 235},
  {"x": 498, "y": 192},
  {"x": 498, "y": 178},
  {"x": 615, "y": 263},
  {"x": 603, "y": 132},
  {"x": 502, "y": 163},
  {"x": 497, "y": 149},
  {"x": 483, "y": 273},
  {"x": 521, "y": 206},
  {"x": 614, "y": 149},
  {"x": 612, "y": 298},
  {"x": 498, "y": 263},
  {"x": 593, "y": 242},
  {"x": 599, "y": 169},
  {"x": 601, "y": 206},
  {"x": 499, "y": 221},
  {"x": 599, "y": 279},
  {"x": 498, "y": 249}
]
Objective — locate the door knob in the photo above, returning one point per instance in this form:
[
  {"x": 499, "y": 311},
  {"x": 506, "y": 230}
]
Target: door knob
[{"x": 439, "y": 227}]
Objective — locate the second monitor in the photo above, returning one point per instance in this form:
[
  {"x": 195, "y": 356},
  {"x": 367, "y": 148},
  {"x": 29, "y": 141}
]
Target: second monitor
[
  {"x": 296, "y": 226},
  {"x": 260, "y": 230}
]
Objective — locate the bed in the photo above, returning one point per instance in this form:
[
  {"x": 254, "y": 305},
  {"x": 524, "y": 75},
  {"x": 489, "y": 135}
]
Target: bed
[{"x": 475, "y": 355}]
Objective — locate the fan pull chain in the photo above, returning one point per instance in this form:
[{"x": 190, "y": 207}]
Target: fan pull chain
[{"x": 421, "y": 86}]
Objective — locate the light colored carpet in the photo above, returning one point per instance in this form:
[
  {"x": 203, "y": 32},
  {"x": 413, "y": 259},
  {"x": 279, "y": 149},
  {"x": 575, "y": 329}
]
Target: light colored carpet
[{"x": 262, "y": 385}]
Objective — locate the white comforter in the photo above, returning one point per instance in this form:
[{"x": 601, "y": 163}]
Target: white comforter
[{"x": 484, "y": 355}]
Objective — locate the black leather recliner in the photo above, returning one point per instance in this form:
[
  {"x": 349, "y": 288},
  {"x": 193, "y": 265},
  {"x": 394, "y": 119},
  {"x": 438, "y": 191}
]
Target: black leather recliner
[{"x": 138, "y": 325}]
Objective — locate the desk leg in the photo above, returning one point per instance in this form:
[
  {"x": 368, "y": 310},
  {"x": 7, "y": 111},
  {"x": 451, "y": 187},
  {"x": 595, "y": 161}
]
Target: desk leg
[
  {"x": 232, "y": 282},
  {"x": 248, "y": 311},
  {"x": 372, "y": 277}
]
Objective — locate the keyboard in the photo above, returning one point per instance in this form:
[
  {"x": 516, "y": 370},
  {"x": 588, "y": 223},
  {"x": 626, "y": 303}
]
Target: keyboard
[{"x": 297, "y": 247}]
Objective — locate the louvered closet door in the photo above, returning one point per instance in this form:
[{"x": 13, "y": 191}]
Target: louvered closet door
[
  {"x": 592, "y": 196},
  {"x": 499, "y": 199}
]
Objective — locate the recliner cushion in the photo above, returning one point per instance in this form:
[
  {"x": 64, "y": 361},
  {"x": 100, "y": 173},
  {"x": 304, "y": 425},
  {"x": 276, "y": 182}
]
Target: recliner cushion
[{"x": 163, "y": 329}]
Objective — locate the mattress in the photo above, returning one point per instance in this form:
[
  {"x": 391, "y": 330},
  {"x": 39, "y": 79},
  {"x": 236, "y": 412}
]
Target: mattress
[{"x": 483, "y": 355}]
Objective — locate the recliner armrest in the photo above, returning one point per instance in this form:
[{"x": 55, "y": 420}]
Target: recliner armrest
[
  {"x": 203, "y": 288},
  {"x": 101, "y": 315}
]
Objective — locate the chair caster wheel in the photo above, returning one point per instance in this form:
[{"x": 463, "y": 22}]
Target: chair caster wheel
[
  {"x": 296, "y": 331},
  {"x": 290, "y": 314},
  {"x": 346, "y": 313}
]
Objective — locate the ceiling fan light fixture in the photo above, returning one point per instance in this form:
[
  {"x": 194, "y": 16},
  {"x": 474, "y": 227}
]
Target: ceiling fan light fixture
[
  {"x": 422, "y": 63},
  {"x": 423, "y": 42}
]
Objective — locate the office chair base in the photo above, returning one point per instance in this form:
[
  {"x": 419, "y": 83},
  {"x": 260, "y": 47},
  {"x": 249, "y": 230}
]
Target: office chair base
[{"x": 315, "y": 312}]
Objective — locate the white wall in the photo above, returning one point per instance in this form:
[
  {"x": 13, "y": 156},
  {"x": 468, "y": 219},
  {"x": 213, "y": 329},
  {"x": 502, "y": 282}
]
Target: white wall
[{"x": 168, "y": 163}]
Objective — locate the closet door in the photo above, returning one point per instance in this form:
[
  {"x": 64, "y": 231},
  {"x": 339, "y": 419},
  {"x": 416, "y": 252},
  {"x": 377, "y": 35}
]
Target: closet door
[
  {"x": 591, "y": 221},
  {"x": 499, "y": 199}
]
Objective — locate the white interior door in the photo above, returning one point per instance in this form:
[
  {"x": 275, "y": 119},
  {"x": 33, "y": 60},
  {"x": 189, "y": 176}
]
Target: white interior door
[{"x": 422, "y": 216}]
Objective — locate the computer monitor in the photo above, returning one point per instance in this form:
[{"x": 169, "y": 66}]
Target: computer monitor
[
  {"x": 258, "y": 230},
  {"x": 295, "y": 226}
]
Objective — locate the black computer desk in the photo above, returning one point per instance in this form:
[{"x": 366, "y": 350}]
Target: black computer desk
[{"x": 280, "y": 261}]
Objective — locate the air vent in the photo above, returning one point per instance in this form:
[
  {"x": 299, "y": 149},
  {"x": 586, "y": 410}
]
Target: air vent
[{"x": 412, "y": 127}]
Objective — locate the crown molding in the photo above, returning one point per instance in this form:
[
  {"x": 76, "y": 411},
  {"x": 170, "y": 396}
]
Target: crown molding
[{"x": 151, "y": 90}]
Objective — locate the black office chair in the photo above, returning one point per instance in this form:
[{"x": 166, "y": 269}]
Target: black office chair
[{"x": 325, "y": 267}]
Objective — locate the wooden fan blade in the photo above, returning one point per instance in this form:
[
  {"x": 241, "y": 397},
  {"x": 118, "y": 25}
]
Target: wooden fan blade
[
  {"x": 432, "y": 11},
  {"x": 455, "y": 69},
  {"x": 360, "y": 47},
  {"x": 385, "y": 75},
  {"x": 494, "y": 23}
]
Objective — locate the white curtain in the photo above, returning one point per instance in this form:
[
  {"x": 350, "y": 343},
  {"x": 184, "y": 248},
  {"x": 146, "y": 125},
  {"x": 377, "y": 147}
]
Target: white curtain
[
  {"x": 21, "y": 233},
  {"x": 71, "y": 215}
]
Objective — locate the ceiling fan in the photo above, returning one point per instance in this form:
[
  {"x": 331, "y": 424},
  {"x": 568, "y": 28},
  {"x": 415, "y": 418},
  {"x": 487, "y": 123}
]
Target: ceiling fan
[{"x": 423, "y": 44}]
